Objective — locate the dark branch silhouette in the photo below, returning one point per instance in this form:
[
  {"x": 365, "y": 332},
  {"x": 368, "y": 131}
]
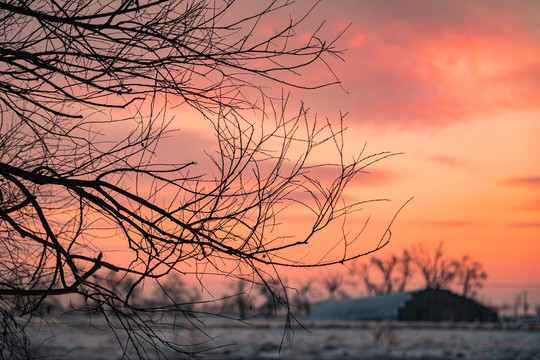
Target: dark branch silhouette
[
  {"x": 75, "y": 75},
  {"x": 437, "y": 270},
  {"x": 470, "y": 275},
  {"x": 392, "y": 273}
]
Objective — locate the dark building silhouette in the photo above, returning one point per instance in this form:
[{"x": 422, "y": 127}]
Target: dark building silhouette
[{"x": 420, "y": 305}]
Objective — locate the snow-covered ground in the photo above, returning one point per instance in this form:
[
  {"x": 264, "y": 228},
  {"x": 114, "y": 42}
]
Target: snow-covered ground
[{"x": 322, "y": 340}]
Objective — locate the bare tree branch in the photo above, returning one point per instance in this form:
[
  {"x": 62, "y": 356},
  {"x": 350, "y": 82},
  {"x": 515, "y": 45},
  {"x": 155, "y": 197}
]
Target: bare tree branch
[{"x": 86, "y": 94}]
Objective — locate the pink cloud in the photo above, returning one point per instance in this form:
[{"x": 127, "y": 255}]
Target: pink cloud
[
  {"x": 436, "y": 79},
  {"x": 376, "y": 178},
  {"x": 529, "y": 181},
  {"x": 427, "y": 63},
  {"x": 357, "y": 41},
  {"x": 525, "y": 225}
]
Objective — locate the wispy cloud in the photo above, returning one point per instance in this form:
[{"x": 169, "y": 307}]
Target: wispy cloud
[
  {"x": 375, "y": 178},
  {"x": 525, "y": 224},
  {"x": 529, "y": 181}
]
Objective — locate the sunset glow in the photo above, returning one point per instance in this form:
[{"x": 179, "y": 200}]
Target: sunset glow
[
  {"x": 184, "y": 178},
  {"x": 455, "y": 86}
]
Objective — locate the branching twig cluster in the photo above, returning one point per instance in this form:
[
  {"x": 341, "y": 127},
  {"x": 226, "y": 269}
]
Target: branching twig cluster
[{"x": 74, "y": 75}]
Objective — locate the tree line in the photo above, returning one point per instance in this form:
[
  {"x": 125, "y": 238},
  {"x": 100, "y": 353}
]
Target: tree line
[
  {"x": 373, "y": 275},
  {"x": 385, "y": 275},
  {"x": 376, "y": 274}
]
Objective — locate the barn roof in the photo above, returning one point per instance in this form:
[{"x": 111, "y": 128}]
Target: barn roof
[
  {"x": 370, "y": 308},
  {"x": 426, "y": 304}
]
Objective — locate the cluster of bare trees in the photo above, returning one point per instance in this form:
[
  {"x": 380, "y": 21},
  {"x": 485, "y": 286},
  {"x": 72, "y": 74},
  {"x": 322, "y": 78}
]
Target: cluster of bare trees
[
  {"x": 385, "y": 275},
  {"x": 392, "y": 275},
  {"x": 519, "y": 308},
  {"x": 87, "y": 91},
  {"x": 428, "y": 266}
]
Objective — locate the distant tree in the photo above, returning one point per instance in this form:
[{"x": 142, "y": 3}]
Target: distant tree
[
  {"x": 504, "y": 309},
  {"x": 437, "y": 270},
  {"x": 301, "y": 297},
  {"x": 470, "y": 275},
  {"x": 518, "y": 301},
  {"x": 385, "y": 275},
  {"x": 274, "y": 298},
  {"x": 332, "y": 283},
  {"x": 173, "y": 289},
  {"x": 238, "y": 302},
  {"x": 392, "y": 273},
  {"x": 241, "y": 299},
  {"x": 75, "y": 74}
]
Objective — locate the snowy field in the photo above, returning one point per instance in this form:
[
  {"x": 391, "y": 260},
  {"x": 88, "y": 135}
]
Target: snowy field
[{"x": 323, "y": 340}]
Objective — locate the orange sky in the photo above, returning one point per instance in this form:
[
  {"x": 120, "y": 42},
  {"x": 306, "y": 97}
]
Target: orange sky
[{"x": 456, "y": 87}]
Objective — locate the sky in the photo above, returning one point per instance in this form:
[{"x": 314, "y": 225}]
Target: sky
[{"x": 455, "y": 87}]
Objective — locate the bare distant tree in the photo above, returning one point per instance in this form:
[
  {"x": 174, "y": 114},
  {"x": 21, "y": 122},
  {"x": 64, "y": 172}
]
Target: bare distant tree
[
  {"x": 392, "y": 273},
  {"x": 333, "y": 284},
  {"x": 437, "y": 270},
  {"x": 301, "y": 297},
  {"x": 75, "y": 74},
  {"x": 274, "y": 297},
  {"x": 518, "y": 302},
  {"x": 470, "y": 275},
  {"x": 238, "y": 302}
]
